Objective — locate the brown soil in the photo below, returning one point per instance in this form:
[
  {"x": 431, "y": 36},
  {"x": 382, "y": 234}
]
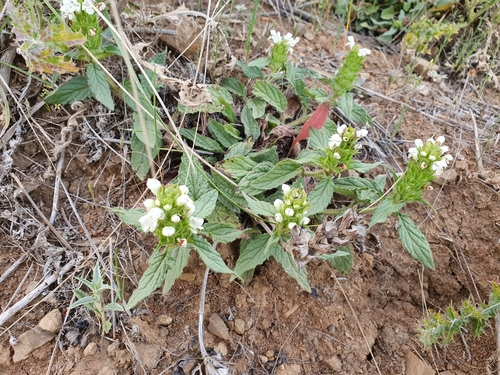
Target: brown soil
[{"x": 365, "y": 322}]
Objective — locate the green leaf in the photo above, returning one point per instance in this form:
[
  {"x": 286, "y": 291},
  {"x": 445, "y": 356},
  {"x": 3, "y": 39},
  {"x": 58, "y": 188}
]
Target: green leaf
[
  {"x": 130, "y": 217},
  {"x": 281, "y": 173},
  {"x": 290, "y": 267},
  {"x": 99, "y": 85},
  {"x": 238, "y": 166},
  {"x": 83, "y": 301},
  {"x": 319, "y": 95},
  {"x": 76, "y": 89},
  {"x": 269, "y": 155},
  {"x": 349, "y": 186},
  {"x": 414, "y": 241},
  {"x": 261, "y": 62},
  {"x": 113, "y": 306},
  {"x": 209, "y": 255},
  {"x": 388, "y": 13},
  {"x": 177, "y": 260},
  {"x": 192, "y": 175},
  {"x": 159, "y": 59},
  {"x": 228, "y": 195},
  {"x": 139, "y": 159},
  {"x": 152, "y": 278},
  {"x": 221, "y": 135},
  {"x": 239, "y": 149},
  {"x": 362, "y": 167},
  {"x": 206, "y": 204},
  {"x": 246, "y": 183},
  {"x": 235, "y": 86},
  {"x": 224, "y": 215},
  {"x": 201, "y": 141},
  {"x": 250, "y": 125},
  {"x": 255, "y": 251},
  {"x": 318, "y": 138},
  {"x": 341, "y": 260},
  {"x": 257, "y": 106},
  {"x": 308, "y": 156},
  {"x": 271, "y": 94},
  {"x": 221, "y": 232},
  {"x": 385, "y": 209},
  {"x": 260, "y": 207},
  {"x": 320, "y": 197},
  {"x": 250, "y": 71}
]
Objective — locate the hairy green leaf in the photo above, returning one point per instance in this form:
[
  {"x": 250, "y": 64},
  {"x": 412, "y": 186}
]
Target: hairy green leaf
[
  {"x": 255, "y": 251},
  {"x": 130, "y": 217},
  {"x": 281, "y": 173},
  {"x": 239, "y": 149},
  {"x": 385, "y": 209},
  {"x": 251, "y": 126},
  {"x": 201, "y": 141},
  {"x": 414, "y": 241},
  {"x": 260, "y": 207},
  {"x": 209, "y": 255},
  {"x": 353, "y": 111},
  {"x": 221, "y": 134},
  {"x": 341, "y": 260},
  {"x": 76, "y": 89},
  {"x": 318, "y": 138},
  {"x": 290, "y": 267},
  {"x": 238, "y": 166},
  {"x": 192, "y": 175},
  {"x": 206, "y": 204},
  {"x": 269, "y": 155},
  {"x": 250, "y": 71},
  {"x": 319, "y": 198},
  {"x": 139, "y": 159},
  {"x": 257, "y": 106},
  {"x": 246, "y": 183},
  {"x": 228, "y": 195},
  {"x": 309, "y": 156},
  {"x": 271, "y": 94},
  {"x": 177, "y": 260},
  {"x": 221, "y": 232},
  {"x": 362, "y": 167},
  {"x": 235, "y": 86},
  {"x": 99, "y": 85}
]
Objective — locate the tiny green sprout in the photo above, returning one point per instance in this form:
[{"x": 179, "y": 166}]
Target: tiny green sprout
[{"x": 94, "y": 301}]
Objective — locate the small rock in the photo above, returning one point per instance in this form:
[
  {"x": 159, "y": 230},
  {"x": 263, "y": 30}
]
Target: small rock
[
  {"x": 148, "y": 354},
  {"x": 446, "y": 373},
  {"x": 189, "y": 277},
  {"x": 106, "y": 370},
  {"x": 52, "y": 322},
  {"x": 4, "y": 355},
  {"x": 368, "y": 258},
  {"x": 164, "y": 320},
  {"x": 221, "y": 348},
  {"x": 29, "y": 341},
  {"x": 240, "y": 300},
  {"x": 334, "y": 363},
  {"x": 422, "y": 66},
  {"x": 423, "y": 89},
  {"x": 217, "y": 327},
  {"x": 91, "y": 349},
  {"x": 309, "y": 36},
  {"x": 460, "y": 165},
  {"x": 263, "y": 358},
  {"x": 270, "y": 355},
  {"x": 113, "y": 348},
  {"x": 415, "y": 366},
  {"x": 289, "y": 369},
  {"x": 239, "y": 326},
  {"x": 448, "y": 175}
]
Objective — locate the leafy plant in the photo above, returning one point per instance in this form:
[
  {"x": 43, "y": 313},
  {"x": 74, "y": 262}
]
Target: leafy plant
[
  {"x": 94, "y": 300},
  {"x": 442, "y": 327}
]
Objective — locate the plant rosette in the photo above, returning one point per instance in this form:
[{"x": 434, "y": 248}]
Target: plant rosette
[
  {"x": 292, "y": 210},
  {"x": 169, "y": 215}
]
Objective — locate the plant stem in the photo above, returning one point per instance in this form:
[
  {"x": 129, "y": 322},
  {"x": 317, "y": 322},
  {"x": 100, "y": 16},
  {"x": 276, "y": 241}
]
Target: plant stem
[{"x": 204, "y": 353}]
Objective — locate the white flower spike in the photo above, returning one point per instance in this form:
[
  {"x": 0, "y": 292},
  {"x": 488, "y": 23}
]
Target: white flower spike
[
  {"x": 364, "y": 52},
  {"x": 350, "y": 42},
  {"x": 275, "y": 36}
]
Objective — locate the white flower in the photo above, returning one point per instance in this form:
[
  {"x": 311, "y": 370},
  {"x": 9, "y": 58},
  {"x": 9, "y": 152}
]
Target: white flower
[
  {"x": 286, "y": 188},
  {"x": 364, "y": 52},
  {"x": 289, "y": 212},
  {"x": 278, "y": 203},
  {"x": 305, "y": 221},
  {"x": 168, "y": 231},
  {"x": 413, "y": 153},
  {"x": 278, "y": 217},
  {"x": 184, "y": 189},
  {"x": 167, "y": 207},
  {"x": 195, "y": 223},
  {"x": 432, "y": 158},
  {"x": 175, "y": 218},
  {"x": 423, "y": 153},
  {"x": 444, "y": 149},
  {"x": 361, "y": 133},
  {"x": 87, "y": 6},
  {"x": 448, "y": 158},
  {"x": 341, "y": 129},
  {"x": 69, "y": 7},
  {"x": 290, "y": 41},
  {"x": 335, "y": 141},
  {"x": 184, "y": 200},
  {"x": 439, "y": 166},
  {"x": 154, "y": 185},
  {"x": 149, "y": 204},
  {"x": 275, "y": 36},
  {"x": 150, "y": 220},
  {"x": 350, "y": 41},
  {"x": 336, "y": 155},
  {"x": 291, "y": 225},
  {"x": 419, "y": 143}
]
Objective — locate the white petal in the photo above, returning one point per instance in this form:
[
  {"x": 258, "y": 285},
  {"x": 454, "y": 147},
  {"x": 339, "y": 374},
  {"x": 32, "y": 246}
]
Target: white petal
[
  {"x": 184, "y": 189},
  {"x": 196, "y": 222},
  {"x": 305, "y": 221},
  {"x": 289, "y": 212},
  {"x": 440, "y": 139},
  {"x": 168, "y": 231},
  {"x": 175, "y": 218},
  {"x": 156, "y": 212},
  {"x": 444, "y": 149},
  {"x": 278, "y": 203},
  {"x": 335, "y": 141},
  {"x": 364, "y": 52},
  {"x": 153, "y": 185},
  {"x": 291, "y": 225},
  {"x": 418, "y": 143},
  {"x": 341, "y": 129},
  {"x": 278, "y": 217},
  {"x": 149, "y": 204},
  {"x": 413, "y": 153},
  {"x": 286, "y": 188},
  {"x": 336, "y": 155},
  {"x": 361, "y": 133},
  {"x": 350, "y": 41}
]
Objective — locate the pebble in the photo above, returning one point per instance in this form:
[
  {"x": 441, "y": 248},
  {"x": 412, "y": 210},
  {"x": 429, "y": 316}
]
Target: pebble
[
  {"x": 91, "y": 349},
  {"x": 189, "y": 277},
  {"x": 221, "y": 348},
  {"x": 415, "y": 366},
  {"x": 217, "y": 327},
  {"x": 164, "y": 320},
  {"x": 263, "y": 358},
  {"x": 333, "y": 363},
  {"x": 239, "y": 326},
  {"x": 270, "y": 354},
  {"x": 29, "y": 341},
  {"x": 240, "y": 300},
  {"x": 52, "y": 322}
]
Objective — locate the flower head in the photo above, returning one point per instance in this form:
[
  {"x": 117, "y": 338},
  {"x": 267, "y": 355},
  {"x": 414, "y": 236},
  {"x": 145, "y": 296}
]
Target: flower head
[
  {"x": 364, "y": 52},
  {"x": 150, "y": 220},
  {"x": 350, "y": 41},
  {"x": 335, "y": 141},
  {"x": 275, "y": 36}
]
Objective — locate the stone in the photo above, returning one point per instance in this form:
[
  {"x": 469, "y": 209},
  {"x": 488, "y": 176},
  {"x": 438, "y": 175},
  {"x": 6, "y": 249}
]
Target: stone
[
  {"x": 113, "y": 348},
  {"x": 221, "y": 348},
  {"x": 460, "y": 165},
  {"x": 189, "y": 277},
  {"x": 91, "y": 349},
  {"x": 448, "y": 175},
  {"x": 164, "y": 320},
  {"x": 4, "y": 355},
  {"x": 239, "y": 326},
  {"x": 52, "y": 322},
  {"x": 289, "y": 369},
  {"x": 148, "y": 354},
  {"x": 240, "y": 301},
  {"x": 151, "y": 334},
  {"x": 334, "y": 363},
  {"x": 422, "y": 66},
  {"x": 415, "y": 366},
  {"x": 446, "y": 373},
  {"x": 270, "y": 355},
  {"x": 29, "y": 341},
  {"x": 263, "y": 358},
  {"x": 217, "y": 327}
]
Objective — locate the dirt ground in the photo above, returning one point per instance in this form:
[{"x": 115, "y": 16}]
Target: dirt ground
[{"x": 364, "y": 322}]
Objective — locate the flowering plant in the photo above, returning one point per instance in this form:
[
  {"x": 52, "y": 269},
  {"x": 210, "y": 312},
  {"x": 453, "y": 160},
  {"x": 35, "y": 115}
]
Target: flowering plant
[{"x": 282, "y": 47}]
